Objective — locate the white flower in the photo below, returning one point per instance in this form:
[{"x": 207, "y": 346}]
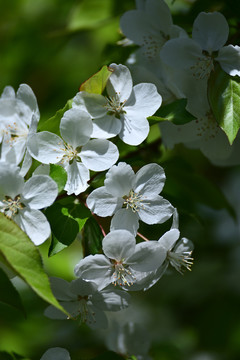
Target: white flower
[
  {"x": 197, "y": 55},
  {"x": 20, "y": 201},
  {"x": 131, "y": 197},
  {"x": 76, "y": 152},
  {"x": 56, "y": 353},
  {"x": 19, "y": 116},
  {"x": 124, "y": 112},
  {"x": 150, "y": 26},
  {"x": 124, "y": 263},
  {"x": 85, "y": 302}
]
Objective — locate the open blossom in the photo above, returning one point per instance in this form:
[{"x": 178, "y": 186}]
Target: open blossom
[
  {"x": 19, "y": 116},
  {"x": 124, "y": 263},
  {"x": 85, "y": 302},
  {"x": 124, "y": 110},
  {"x": 197, "y": 55},
  {"x": 150, "y": 26},
  {"x": 75, "y": 151},
  {"x": 131, "y": 197},
  {"x": 21, "y": 201}
]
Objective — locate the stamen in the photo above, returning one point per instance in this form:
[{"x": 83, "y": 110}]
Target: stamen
[
  {"x": 12, "y": 206},
  {"x": 133, "y": 201},
  {"x": 203, "y": 67},
  {"x": 181, "y": 261},
  {"x": 121, "y": 275},
  {"x": 114, "y": 106}
]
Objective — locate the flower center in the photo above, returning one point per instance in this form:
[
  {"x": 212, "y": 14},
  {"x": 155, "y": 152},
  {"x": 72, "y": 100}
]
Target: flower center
[
  {"x": 70, "y": 153},
  {"x": 202, "y": 68},
  {"x": 114, "y": 106},
  {"x": 121, "y": 275},
  {"x": 133, "y": 201},
  {"x": 11, "y": 206},
  {"x": 84, "y": 312},
  {"x": 181, "y": 261}
]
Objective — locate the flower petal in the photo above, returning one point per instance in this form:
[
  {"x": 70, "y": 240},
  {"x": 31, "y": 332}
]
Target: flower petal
[
  {"x": 168, "y": 240},
  {"x": 77, "y": 178},
  {"x": 125, "y": 219},
  {"x": 106, "y": 127},
  {"x": 96, "y": 268},
  {"x": 109, "y": 300},
  {"x": 229, "y": 59},
  {"x": 82, "y": 287},
  {"x": 99, "y": 154},
  {"x": 76, "y": 127},
  {"x": 119, "y": 179},
  {"x": 46, "y": 147},
  {"x": 119, "y": 244},
  {"x": 27, "y": 96},
  {"x": 11, "y": 182},
  {"x": 120, "y": 82},
  {"x": 102, "y": 203},
  {"x": 144, "y": 101},
  {"x": 135, "y": 129},
  {"x": 61, "y": 289},
  {"x": 34, "y": 224},
  {"x": 39, "y": 191},
  {"x": 155, "y": 210},
  {"x": 210, "y": 31},
  {"x": 94, "y": 104},
  {"x": 150, "y": 180},
  {"x": 148, "y": 256},
  {"x": 56, "y": 353}
]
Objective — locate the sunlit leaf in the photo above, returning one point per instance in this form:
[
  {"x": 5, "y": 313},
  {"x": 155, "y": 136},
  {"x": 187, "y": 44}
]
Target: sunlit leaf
[
  {"x": 224, "y": 99},
  {"x": 23, "y": 256},
  {"x": 96, "y": 83}
]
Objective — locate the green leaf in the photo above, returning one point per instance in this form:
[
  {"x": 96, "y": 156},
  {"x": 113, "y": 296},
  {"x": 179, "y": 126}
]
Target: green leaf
[
  {"x": 9, "y": 294},
  {"x": 52, "y": 124},
  {"x": 175, "y": 112},
  {"x": 92, "y": 237},
  {"x": 59, "y": 175},
  {"x": 224, "y": 99},
  {"x": 97, "y": 83},
  {"x": 23, "y": 256},
  {"x": 67, "y": 217}
]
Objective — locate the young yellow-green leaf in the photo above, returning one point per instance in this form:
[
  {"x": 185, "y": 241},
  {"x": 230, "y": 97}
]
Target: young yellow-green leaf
[
  {"x": 97, "y": 83},
  {"x": 224, "y": 99},
  {"x": 175, "y": 112},
  {"x": 23, "y": 256},
  {"x": 9, "y": 294}
]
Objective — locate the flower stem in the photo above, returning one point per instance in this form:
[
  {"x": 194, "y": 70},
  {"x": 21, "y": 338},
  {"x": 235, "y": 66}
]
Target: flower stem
[{"x": 142, "y": 236}]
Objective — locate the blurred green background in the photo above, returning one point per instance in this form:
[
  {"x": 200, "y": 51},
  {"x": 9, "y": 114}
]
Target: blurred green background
[{"x": 53, "y": 46}]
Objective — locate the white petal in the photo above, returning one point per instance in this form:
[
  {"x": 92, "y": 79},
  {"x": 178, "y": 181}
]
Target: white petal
[
  {"x": 46, "y": 147},
  {"x": 120, "y": 180},
  {"x": 210, "y": 30},
  {"x": 61, "y": 289},
  {"x": 76, "y": 127},
  {"x": 168, "y": 240},
  {"x": 160, "y": 14},
  {"x": 155, "y": 210},
  {"x": 111, "y": 300},
  {"x": 181, "y": 53},
  {"x": 26, "y": 164},
  {"x": 96, "y": 268},
  {"x": 106, "y": 127},
  {"x": 119, "y": 244},
  {"x": 56, "y": 354},
  {"x": 134, "y": 129},
  {"x": 82, "y": 287},
  {"x": 8, "y": 92},
  {"x": 144, "y": 100},
  {"x": 120, "y": 82},
  {"x": 11, "y": 182},
  {"x": 77, "y": 178},
  {"x": 102, "y": 203},
  {"x": 148, "y": 256},
  {"x": 27, "y": 96},
  {"x": 125, "y": 219},
  {"x": 94, "y": 104},
  {"x": 229, "y": 59},
  {"x": 150, "y": 180},
  {"x": 99, "y": 154},
  {"x": 136, "y": 25},
  {"x": 39, "y": 191},
  {"x": 34, "y": 224}
]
